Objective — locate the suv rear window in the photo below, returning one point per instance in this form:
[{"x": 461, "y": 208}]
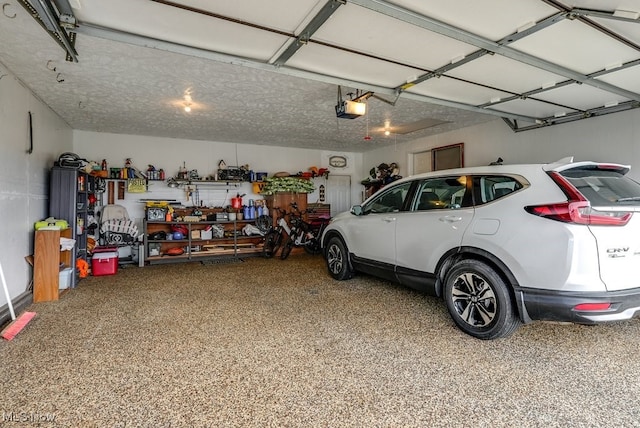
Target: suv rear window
[
  {"x": 488, "y": 188},
  {"x": 604, "y": 187}
]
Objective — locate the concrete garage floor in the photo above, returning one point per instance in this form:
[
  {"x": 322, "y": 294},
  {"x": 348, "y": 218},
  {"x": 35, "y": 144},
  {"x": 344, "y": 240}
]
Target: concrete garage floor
[{"x": 278, "y": 343}]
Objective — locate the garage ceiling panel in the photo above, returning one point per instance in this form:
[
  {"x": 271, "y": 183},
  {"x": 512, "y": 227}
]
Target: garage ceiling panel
[
  {"x": 151, "y": 19},
  {"x": 366, "y": 31},
  {"x": 458, "y": 91},
  {"x": 628, "y": 78},
  {"x": 500, "y": 72},
  {"x": 576, "y": 46},
  {"x": 532, "y": 108},
  {"x": 324, "y": 60},
  {"x": 580, "y": 97},
  {"x": 282, "y": 15},
  {"x": 492, "y": 19},
  {"x": 628, "y": 30}
]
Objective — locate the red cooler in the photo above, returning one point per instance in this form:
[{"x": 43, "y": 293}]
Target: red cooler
[{"x": 104, "y": 261}]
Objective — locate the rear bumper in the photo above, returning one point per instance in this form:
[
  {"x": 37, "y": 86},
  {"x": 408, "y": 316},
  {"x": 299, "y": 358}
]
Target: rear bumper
[{"x": 551, "y": 305}]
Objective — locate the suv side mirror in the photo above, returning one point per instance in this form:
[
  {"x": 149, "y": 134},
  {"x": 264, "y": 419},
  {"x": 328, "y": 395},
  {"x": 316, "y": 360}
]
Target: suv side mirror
[{"x": 356, "y": 210}]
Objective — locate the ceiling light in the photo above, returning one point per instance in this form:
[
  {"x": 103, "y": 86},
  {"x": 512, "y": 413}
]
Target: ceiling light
[
  {"x": 387, "y": 132},
  {"x": 611, "y": 104},
  {"x": 187, "y": 108},
  {"x": 457, "y": 59},
  {"x": 560, "y": 114}
]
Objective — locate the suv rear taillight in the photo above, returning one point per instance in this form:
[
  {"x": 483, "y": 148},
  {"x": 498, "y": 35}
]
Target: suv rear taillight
[{"x": 577, "y": 209}]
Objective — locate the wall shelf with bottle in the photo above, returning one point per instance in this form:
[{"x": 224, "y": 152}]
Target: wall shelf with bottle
[{"x": 175, "y": 182}]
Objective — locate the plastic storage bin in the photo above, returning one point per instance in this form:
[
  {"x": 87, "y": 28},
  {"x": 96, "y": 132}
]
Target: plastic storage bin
[
  {"x": 104, "y": 263},
  {"x": 64, "y": 280}
]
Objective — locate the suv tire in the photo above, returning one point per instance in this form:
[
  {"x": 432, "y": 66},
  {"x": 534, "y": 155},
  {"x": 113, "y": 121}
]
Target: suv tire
[
  {"x": 479, "y": 301},
  {"x": 337, "y": 258}
]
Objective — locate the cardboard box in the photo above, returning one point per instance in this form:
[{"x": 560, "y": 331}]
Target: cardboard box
[
  {"x": 206, "y": 234},
  {"x": 195, "y": 234},
  {"x": 105, "y": 263}
]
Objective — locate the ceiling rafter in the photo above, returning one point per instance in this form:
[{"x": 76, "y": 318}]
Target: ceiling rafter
[
  {"x": 305, "y": 35},
  {"x": 45, "y": 13},
  {"x": 572, "y": 117},
  {"x": 479, "y": 53},
  {"x": 582, "y": 15},
  {"x": 459, "y": 34}
]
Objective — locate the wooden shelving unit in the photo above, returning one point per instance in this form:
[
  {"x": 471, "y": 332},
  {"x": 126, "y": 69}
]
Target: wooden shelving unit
[
  {"x": 198, "y": 246},
  {"x": 48, "y": 260}
]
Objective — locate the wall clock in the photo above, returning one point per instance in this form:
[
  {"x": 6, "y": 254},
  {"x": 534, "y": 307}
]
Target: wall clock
[{"x": 338, "y": 161}]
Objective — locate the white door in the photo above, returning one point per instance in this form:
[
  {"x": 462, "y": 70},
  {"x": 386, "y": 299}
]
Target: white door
[{"x": 338, "y": 193}]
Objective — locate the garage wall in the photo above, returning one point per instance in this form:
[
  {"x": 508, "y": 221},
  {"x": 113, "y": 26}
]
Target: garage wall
[
  {"x": 612, "y": 138},
  {"x": 24, "y": 185},
  {"x": 169, "y": 154}
]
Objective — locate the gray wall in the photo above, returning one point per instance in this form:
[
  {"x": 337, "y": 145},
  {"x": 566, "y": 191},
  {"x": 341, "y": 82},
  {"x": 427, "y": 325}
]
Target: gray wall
[
  {"x": 23, "y": 176},
  {"x": 612, "y": 138},
  {"x": 170, "y": 153}
]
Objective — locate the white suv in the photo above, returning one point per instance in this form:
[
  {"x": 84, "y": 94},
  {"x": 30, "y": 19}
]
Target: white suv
[{"x": 502, "y": 244}]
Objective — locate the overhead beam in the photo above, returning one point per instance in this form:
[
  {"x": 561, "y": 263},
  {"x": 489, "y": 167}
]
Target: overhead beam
[
  {"x": 541, "y": 25},
  {"x": 442, "y": 70},
  {"x": 305, "y": 35},
  {"x": 45, "y": 14},
  {"x": 431, "y": 24},
  {"x": 572, "y": 117},
  {"x": 582, "y": 15}
]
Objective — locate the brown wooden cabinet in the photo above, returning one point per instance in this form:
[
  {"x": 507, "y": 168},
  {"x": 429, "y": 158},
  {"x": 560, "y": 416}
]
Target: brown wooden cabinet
[
  {"x": 48, "y": 260},
  {"x": 283, "y": 201}
]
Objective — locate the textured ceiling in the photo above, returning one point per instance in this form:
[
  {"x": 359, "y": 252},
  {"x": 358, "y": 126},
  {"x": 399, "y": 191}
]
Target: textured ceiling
[{"x": 268, "y": 72}]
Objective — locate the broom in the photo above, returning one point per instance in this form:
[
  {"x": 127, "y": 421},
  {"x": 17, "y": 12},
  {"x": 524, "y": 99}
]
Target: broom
[{"x": 16, "y": 324}]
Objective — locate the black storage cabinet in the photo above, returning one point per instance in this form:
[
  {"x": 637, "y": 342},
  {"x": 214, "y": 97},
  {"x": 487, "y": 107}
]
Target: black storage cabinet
[{"x": 69, "y": 200}]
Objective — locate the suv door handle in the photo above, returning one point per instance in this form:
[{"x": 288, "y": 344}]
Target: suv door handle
[{"x": 450, "y": 218}]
